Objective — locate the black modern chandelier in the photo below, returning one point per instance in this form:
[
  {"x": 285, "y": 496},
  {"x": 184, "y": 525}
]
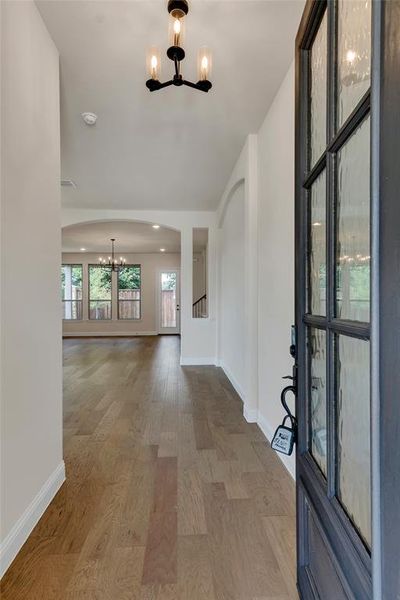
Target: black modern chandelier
[
  {"x": 112, "y": 261},
  {"x": 178, "y": 9}
]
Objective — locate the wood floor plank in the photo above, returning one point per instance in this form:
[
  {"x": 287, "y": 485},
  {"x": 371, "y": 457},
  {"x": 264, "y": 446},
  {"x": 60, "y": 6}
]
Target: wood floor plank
[
  {"x": 281, "y": 532},
  {"x": 195, "y": 580},
  {"x": 166, "y": 485},
  {"x": 170, "y": 494},
  {"x": 160, "y": 562},
  {"x": 191, "y": 513}
]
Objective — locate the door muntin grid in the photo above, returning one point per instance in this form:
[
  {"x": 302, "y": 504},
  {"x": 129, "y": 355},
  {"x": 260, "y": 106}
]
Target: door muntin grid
[{"x": 333, "y": 323}]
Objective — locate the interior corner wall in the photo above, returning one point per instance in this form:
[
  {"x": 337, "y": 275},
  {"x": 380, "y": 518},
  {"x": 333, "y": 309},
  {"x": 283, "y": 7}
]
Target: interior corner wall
[
  {"x": 32, "y": 468},
  {"x": 232, "y": 290},
  {"x": 276, "y": 255}
]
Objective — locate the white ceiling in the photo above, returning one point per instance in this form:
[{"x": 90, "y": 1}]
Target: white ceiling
[
  {"x": 130, "y": 237},
  {"x": 175, "y": 148}
]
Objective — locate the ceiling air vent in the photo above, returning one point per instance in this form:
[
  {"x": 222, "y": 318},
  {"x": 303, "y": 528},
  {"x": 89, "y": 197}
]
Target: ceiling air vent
[{"x": 68, "y": 183}]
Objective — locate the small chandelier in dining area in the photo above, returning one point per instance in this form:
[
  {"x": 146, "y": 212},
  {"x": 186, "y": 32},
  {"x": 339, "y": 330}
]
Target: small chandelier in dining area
[
  {"x": 178, "y": 9},
  {"x": 112, "y": 262}
]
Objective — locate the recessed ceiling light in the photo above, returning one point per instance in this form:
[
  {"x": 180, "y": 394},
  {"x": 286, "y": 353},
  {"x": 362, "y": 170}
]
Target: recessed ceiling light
[
  {"x": 83, "y": 249},
  {"x": 156, "y": 227},
  {"x": 162, "y": 249}
]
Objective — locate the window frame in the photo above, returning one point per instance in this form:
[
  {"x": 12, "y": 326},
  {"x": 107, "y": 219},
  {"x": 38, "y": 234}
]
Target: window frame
[
  {"x": 97, "y": 266},
  {"x": 139, "y": 318},
  {"x": 63, "y": 301}
]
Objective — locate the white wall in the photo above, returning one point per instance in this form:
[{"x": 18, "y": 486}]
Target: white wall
[
  {"x": 232, "y": 290},
  {"x": 31, "y": 402},
  {"x": 276, "y": 254},
  {"x": 266, "y": 166},
  {"x": 150, "y": 264}
]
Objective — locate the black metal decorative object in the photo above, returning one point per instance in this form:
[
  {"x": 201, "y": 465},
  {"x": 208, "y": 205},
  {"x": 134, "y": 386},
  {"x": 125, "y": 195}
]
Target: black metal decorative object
[
  {"x": 112, "y": 262},
  {"x": 178, "y": 9}
]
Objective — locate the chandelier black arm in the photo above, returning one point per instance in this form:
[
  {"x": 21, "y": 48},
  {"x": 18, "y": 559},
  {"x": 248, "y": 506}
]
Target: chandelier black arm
[
  {"x": 203, "y": 86},
  {"x": 154, "y": 85},
  {"x": 165, "y": 84},
  {"x": 177, "y": 67}
]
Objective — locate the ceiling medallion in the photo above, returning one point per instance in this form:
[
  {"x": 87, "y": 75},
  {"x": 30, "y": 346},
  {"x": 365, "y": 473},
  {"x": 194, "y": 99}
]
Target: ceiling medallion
[{"x": 178, "y": 9}]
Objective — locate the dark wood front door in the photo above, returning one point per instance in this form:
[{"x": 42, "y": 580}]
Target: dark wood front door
[{"x": 348, "y": 299}]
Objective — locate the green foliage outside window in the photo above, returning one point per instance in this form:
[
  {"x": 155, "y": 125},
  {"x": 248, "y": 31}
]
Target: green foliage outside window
[
  {"x": 129, "y": 278},
  {"x": 360, "y": 283},
  {"x": 76, "y": 279},
  {"x": 99, "y": 283},
  {"x": 168, "y": 281}
]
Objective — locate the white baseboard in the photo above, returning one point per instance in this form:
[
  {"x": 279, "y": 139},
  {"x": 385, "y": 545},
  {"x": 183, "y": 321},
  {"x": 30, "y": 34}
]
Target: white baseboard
[
  {"x": 233, "y": 381},
  {"x": 196, "y": 361},
  {"x": 18, "y": 535},
  {"x": 78, "y": 334},
  {"x": 268, "y": 431},
  {"x": 250, "y": 414}
]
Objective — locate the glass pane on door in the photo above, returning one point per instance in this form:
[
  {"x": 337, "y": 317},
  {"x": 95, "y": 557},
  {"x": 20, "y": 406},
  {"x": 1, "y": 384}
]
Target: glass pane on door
[
  {"x": 353, "y": 432},
  {"x": 318, "y": 92},
  {"x": 317, "y": 249},
  {"x": 353, "y": 227},
  {"x": 354, "y": 54},
  {"x": 168, "y": 299},
  {"x": 318, "y": 435}
]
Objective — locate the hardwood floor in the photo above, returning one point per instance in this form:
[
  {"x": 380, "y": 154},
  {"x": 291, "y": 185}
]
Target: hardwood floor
[{"x": 170, "y": 494}]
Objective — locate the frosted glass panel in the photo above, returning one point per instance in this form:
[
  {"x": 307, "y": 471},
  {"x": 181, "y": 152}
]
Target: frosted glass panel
[
  {"x": 318, "y": 92},
  {"x": 317, "y": 344},
  {"x": 354, "y": 54},
  {"x": 353, "y": 433},
  {"x": 317, "y": 250},
  {"x": 353, "y": 227}
]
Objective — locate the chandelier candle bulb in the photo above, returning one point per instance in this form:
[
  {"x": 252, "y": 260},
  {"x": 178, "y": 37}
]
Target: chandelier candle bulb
[
  {"x": 204, "y": 64},
  {"x": 154, "y": 63},
  {"x": 176, "y": 30}
]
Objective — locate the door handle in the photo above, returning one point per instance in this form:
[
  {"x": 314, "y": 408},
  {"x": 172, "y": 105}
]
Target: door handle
[{"x": 288, "y": 388}]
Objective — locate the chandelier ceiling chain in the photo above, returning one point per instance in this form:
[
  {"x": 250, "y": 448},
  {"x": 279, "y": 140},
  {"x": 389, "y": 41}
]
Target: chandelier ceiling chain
[
  {"x": 112, "y": 261},
  {"x": 178, "y": 9}
]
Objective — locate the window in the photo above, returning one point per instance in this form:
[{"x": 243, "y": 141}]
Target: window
[
  {"x": 99, "y": 292},
  {"x": 200, "y": 273},
  {"x": 71, "y": 291},
  {"x": 129, "y": 292}
]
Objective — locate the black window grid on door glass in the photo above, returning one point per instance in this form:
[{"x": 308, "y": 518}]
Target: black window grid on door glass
[{"x": 330, "y": 322}]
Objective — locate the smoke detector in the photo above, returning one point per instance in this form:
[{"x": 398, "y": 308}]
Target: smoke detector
[{"x": 89, "y": 118}]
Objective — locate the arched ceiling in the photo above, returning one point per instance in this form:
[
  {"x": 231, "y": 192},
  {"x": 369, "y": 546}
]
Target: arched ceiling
[{"x": 130, "y": 237}]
